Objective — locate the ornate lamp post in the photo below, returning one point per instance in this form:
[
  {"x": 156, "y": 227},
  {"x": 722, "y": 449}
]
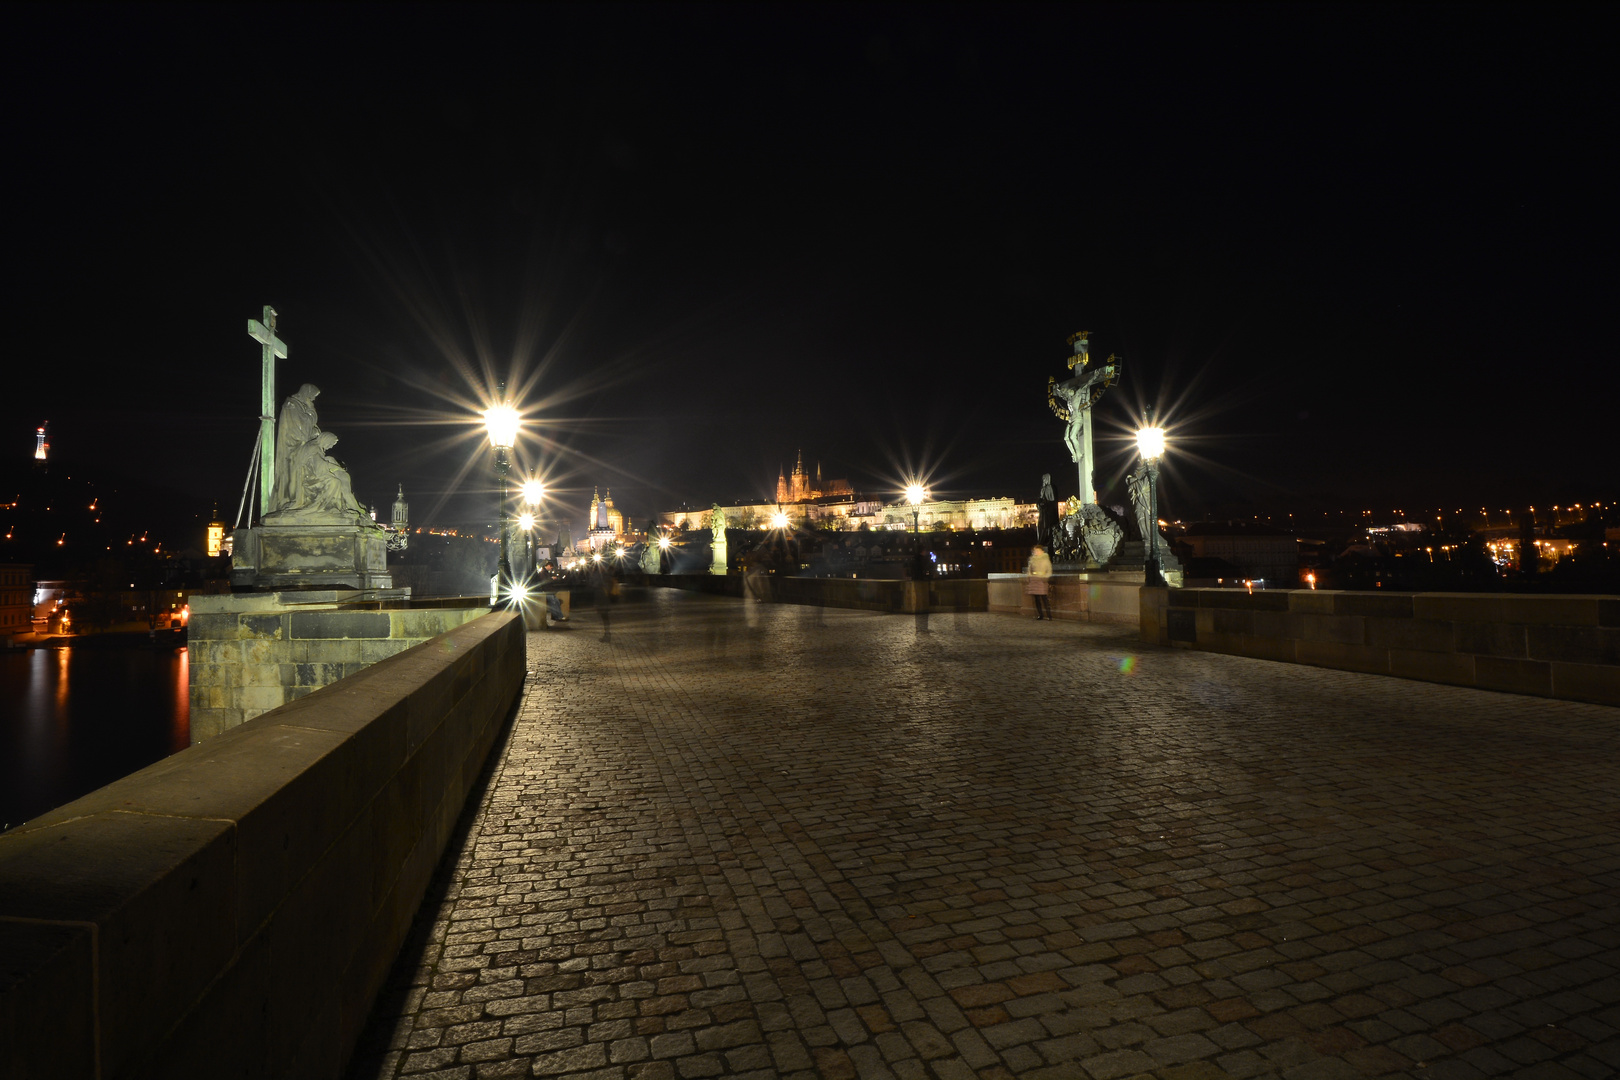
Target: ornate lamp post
[
  {"x": 1150, "y": 443},
  {"x": 502, "y": 421}
]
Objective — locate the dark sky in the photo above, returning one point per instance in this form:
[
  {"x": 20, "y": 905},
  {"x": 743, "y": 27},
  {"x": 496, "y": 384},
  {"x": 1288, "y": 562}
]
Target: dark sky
[{"x": 1352, "y": 254}]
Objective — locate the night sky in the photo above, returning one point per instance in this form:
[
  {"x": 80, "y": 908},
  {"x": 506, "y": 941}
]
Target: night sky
[{"x": 1351, "y": 254}]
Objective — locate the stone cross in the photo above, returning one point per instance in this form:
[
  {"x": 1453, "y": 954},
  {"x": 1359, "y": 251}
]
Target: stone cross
[{"x": 270, "y": 348}]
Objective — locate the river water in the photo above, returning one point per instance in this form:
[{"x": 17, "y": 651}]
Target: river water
[{"x": 74, "y": 719}]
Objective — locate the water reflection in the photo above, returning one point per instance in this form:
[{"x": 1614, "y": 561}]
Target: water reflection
[{"x": 74, "y": 719}]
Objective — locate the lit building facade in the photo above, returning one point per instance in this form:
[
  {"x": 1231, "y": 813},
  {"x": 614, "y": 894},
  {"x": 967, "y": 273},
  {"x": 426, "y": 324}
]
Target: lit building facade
[{"x": 605, "y": 525}]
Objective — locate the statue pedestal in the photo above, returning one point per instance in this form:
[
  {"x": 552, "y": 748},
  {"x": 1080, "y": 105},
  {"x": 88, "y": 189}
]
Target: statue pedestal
[
  {"x": 310, "y": 557},
  {"x": 1131, "y": 556}
]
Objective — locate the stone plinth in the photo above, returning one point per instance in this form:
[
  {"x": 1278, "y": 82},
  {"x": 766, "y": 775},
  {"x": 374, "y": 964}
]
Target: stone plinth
[
  {"x": 252, "y": 652},
  {"x": 310, "y": 556}
]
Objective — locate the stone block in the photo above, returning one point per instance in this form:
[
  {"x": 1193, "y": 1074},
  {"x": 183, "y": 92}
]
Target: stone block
[
  {"x": 1312, "y": 601},
  {"x": 1264, "y": 600},
  {"x": 1345, "y": 656},
  {"x": 209, "y": 722},
  {"x": 260, "y": 626},
  {"x": 1275, "y": 624},
  {"x": 373, "y": 651},
  {"x": 1416, "y": 635},
  {"x": 1551, "y": 610},
  {"x": 1228, "y": 620},
  {"x": 1343, "y": 629},
  {"x": 1376, "y": 604},
  {"x": 1586, "y": 682},
  {"x": 1609, "y": 611},
  {"x": 262, "y": 652},
  {"x": 209, "y": 627},
  {"x": 261, "y": 672},
  {"x": 261, "y": 699},
  {"x": 1460, "y": 607},
  {"x": 1270, "y": 648},
  {"x": 1517, "y": 676},
  {"x": 230, "y": 1024},
  {"x": 1225, "y": 643},
  {"x": 1432, "y": 666},
  {"x": 339, "y": 624},
  {"x": 161, "y": 894},
  {"x": 1490, "y": 639},
  {"x": 47, "y": 1000},
  {"x": 1574, "y": 644}
]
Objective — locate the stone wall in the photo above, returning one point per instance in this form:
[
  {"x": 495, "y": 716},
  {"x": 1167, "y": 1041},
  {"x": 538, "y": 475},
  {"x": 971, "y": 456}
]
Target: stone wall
[
  {"x": 1090, "y": 597},
  {"x": 252, "y": 652},
  {"x": 233, "y": 909},
  {"x": 1555, "y": 646}
]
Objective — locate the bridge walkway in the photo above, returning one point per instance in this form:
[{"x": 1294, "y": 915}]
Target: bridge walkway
[{"x": 734, "y": 839}]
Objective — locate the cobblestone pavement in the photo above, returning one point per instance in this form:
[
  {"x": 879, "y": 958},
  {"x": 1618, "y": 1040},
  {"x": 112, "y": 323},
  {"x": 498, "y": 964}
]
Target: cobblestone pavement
[{"x": 727, "y": 839}]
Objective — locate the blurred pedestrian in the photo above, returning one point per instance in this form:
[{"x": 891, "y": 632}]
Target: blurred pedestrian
[{"x": 1038, "y": 581}]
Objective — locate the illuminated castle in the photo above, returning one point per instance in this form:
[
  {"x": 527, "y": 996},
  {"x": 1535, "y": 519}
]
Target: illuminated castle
[{"x": 801, "y": 488}]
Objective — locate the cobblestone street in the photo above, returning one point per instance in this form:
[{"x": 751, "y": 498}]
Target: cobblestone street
[{"x": 729, "y": 839}]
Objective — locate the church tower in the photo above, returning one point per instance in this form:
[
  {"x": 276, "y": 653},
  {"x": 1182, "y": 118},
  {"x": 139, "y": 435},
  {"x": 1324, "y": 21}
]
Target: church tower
[
  {"x": 801, "y": 482},
  {"x": 782, "y": 493},
  {"x": 402, "y": 511}
]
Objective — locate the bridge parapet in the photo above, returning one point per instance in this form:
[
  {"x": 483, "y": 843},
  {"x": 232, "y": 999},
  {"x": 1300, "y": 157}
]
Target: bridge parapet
[
  {"x": 1552, "y": 646},
  {"x": 233, "y": 909}
]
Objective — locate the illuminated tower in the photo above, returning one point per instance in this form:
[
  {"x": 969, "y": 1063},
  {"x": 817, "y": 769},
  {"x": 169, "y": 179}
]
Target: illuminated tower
[
  {"x": 782, "y": 493},
  {"x": 401, "y": 520},
  {"x": 801, "y": 482},
  {"x": 42, "y": 449}
]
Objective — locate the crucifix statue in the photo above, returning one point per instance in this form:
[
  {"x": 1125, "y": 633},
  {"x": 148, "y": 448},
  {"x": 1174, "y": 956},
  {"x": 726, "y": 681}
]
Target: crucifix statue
[
  {"x": 271, "y": 348},
  {"x": 1072, "y": 400}
]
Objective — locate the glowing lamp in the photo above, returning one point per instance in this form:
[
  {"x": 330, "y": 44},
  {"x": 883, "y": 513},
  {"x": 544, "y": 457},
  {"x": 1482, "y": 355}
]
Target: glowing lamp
[
  {"x": 533, "y": 491},
  {"x": 502, "y": 423},
  {"x": 779, "y": 520},
  {"x": 525, "y": 522},
  {"x": 1150, "y": 441},
  {"x": 663, "y": 542}
]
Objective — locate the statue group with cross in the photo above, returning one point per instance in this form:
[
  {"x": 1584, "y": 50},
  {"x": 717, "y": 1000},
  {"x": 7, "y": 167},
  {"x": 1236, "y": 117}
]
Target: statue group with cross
[
  {"x": 1088, "y": 531},
  {"x": 298, "y": 481}
]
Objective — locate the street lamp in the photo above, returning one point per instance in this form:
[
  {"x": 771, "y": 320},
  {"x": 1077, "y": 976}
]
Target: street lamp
[
  {"x": 1150, "y": 443},
  {"x": 533, "y": 491},
  {"x": 502, "y": 420},
  {"x": 915, "y": 494}
]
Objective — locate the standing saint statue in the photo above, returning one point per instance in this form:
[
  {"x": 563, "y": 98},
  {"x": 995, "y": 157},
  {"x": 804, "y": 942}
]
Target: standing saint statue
[{"x": 1046, "y": 513}]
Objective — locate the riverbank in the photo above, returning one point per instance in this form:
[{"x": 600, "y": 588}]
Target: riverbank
[{"x": 165, "y": 639}]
